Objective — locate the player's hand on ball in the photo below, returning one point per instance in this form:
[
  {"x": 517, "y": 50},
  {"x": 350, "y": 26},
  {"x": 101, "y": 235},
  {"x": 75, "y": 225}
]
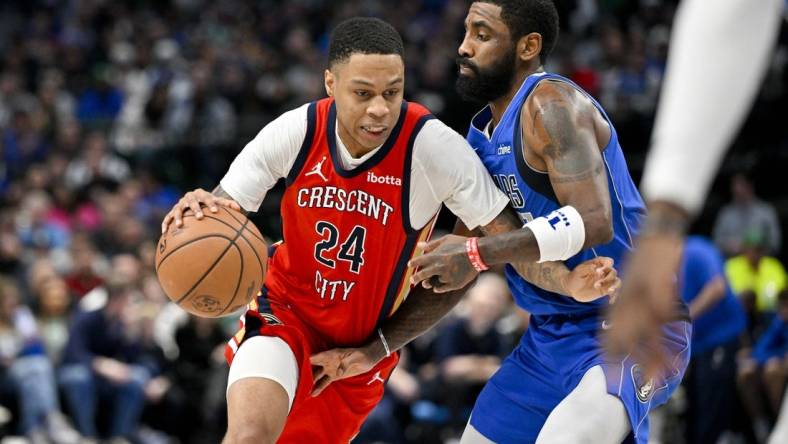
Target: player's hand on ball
[
  {"x": 338, "y": 363},
  {"x": 195, "y": 200},
  {"x": 592, "y": 280},
  {"x": 444, "y": 266}
]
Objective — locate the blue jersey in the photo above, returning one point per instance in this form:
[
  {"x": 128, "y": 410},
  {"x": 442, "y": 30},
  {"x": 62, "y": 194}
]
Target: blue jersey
[
  {"x": 702, "y": 263},
  {"x": 532, "y": 195}
]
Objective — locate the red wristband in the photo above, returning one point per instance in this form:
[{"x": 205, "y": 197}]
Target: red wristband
[{"x": 472, "y": 248}]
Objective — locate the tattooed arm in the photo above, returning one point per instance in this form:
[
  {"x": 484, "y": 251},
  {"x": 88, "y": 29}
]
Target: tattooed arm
[
  {"x": 563, "y": 134},
  {"x": 423, "y": 309}
]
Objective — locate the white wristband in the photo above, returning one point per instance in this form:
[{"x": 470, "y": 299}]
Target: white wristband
[{"x": 560, "y": 235}]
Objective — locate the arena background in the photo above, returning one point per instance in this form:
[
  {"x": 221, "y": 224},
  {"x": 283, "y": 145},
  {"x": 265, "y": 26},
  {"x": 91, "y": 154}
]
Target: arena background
[{"x": 110, "y": 110}]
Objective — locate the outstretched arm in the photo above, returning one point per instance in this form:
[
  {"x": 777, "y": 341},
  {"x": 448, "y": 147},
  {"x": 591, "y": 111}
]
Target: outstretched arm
[{"x": 423, "y": 309}]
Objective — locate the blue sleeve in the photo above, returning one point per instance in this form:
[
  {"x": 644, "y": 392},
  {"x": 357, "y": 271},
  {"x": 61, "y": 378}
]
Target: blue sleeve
[{"x": 771, "y": 343}]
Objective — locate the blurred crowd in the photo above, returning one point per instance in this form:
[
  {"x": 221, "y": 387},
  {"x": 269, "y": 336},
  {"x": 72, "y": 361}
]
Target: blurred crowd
[{"x": 110, "y": 110}]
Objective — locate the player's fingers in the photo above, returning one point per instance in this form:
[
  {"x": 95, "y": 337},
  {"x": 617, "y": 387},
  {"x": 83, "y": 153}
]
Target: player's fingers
[
  {"x": 321, "y": 385},
  {"x": 212, "y": 202},
  {"x": 422, "y": 261},
  {"x": 605, "y": 285},
  {"x": 229, "y": 203},
  {"x": 424, "y": 274},
  {"x": 612, "y": 289},
  {"x": 603, "y": 264},
  {"x": 432, "y": 245},
  {"x": 166, "y": 222},
  {"x": 444, "y": 288},
  {"x": 318, "y": 371},
  {"x": 177, "y": 214},
  {"x": 194, "y": 205}
]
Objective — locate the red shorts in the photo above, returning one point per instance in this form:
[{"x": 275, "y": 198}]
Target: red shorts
[{"x": 336, "y": 415}]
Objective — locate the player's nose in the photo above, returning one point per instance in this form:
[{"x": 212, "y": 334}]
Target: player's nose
[
  {"x": 377, "y": 108},
  {"x": 465, "y": 49}
]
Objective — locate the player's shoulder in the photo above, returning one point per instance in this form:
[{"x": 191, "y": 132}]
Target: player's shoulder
[
  {"x": 436, "y": 139},
  {"x": 553, "y": 95}
]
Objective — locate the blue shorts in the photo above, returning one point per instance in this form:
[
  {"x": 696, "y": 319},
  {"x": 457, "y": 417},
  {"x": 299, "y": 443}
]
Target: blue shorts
[{"x": 553, "y": 355}]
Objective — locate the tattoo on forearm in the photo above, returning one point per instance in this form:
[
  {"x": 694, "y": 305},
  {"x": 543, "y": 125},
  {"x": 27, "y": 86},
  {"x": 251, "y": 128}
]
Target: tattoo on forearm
[
  {"x": 544, "y": 275},
  {"x": 579, "y": 177},
  {"x": 418, "y": 314}
]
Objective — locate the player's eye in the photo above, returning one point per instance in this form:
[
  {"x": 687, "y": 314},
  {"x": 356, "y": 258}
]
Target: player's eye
[
  {"x": 362, "y": 93},
  {"x": 482, "y": 37},
  {"x": 391, "y": 92}
]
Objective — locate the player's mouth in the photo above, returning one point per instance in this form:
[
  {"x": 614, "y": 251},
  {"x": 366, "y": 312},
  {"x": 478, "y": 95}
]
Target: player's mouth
[
  {"x": 466, "y": 70},
  {"x": 466, "y": 67},
  {"x": 374, "y": 131}
]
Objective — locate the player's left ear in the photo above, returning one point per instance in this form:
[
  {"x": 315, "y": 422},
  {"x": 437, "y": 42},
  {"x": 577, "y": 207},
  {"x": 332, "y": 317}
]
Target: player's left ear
[
  {"x": 529, "y": 46},
  {"x": 328, "y": 80}
]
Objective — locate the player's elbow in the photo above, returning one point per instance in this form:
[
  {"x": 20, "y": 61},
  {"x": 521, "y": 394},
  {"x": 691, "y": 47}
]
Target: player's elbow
[{"x": 599, "y": 228}]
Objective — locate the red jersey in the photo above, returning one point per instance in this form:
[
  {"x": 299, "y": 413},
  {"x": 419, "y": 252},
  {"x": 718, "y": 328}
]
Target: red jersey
[{"x": 342, "y": 266}]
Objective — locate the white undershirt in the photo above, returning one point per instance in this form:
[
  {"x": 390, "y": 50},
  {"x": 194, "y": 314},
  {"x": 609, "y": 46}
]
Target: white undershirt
[{"x": 444, "y": 169}]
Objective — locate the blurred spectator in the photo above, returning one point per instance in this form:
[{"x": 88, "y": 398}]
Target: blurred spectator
[
  {"x": 26, "y": 371},
  {"x": 84, "y": 265},
  {"x": 53, "y": 308},
  {"x": 746, "y": 214},
  {"x": 718, "y": 320},
  {"x": 35, "y": 227},
  {"x": 101, "y": 102},
  {"x": 103, "y": 361},
  {"x": 470, "y": 348},
  {"x": 23, "y": 144},
  {"x": 96, "y": 165},
  {"x": 200, "y": 343},
  {"x": 765, "y": 372},
  {"x": 756, "y": 273}
]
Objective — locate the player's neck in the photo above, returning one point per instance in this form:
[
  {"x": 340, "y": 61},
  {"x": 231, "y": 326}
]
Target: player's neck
[{"x": 499, "y": 105}]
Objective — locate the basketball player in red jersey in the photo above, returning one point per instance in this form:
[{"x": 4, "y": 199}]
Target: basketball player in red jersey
[{"x": 366, "y": 173}]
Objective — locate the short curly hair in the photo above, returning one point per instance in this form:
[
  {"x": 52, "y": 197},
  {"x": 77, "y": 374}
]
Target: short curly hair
[
  {"x": 526, "y": 16},
  {"x": 363, "y": 35}
]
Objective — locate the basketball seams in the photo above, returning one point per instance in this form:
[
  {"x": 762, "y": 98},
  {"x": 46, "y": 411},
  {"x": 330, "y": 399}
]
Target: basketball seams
[
  {"x": 237, "y": 220},
  {"x": 238, "y": 283},
  {"x": 243, "y": 229},
  {"x": 189, "y": 242},
  {"x": 251, "y": 247},
  {"x": 215, "y": 262}
]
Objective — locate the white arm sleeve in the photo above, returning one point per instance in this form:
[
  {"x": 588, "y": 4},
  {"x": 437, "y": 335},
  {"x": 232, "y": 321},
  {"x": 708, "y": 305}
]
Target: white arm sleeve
[
  {"x": 453, "y": 174},
  {"x": 266, "y": 159},
  {"x": 718, "y": 55}
]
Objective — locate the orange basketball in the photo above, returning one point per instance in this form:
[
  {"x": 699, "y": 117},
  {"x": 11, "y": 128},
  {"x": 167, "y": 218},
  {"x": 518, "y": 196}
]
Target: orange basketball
[{"x": 214, "y": 266}]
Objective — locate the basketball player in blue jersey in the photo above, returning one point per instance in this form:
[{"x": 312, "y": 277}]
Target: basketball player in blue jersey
[{"x": 552, "y": 149}]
